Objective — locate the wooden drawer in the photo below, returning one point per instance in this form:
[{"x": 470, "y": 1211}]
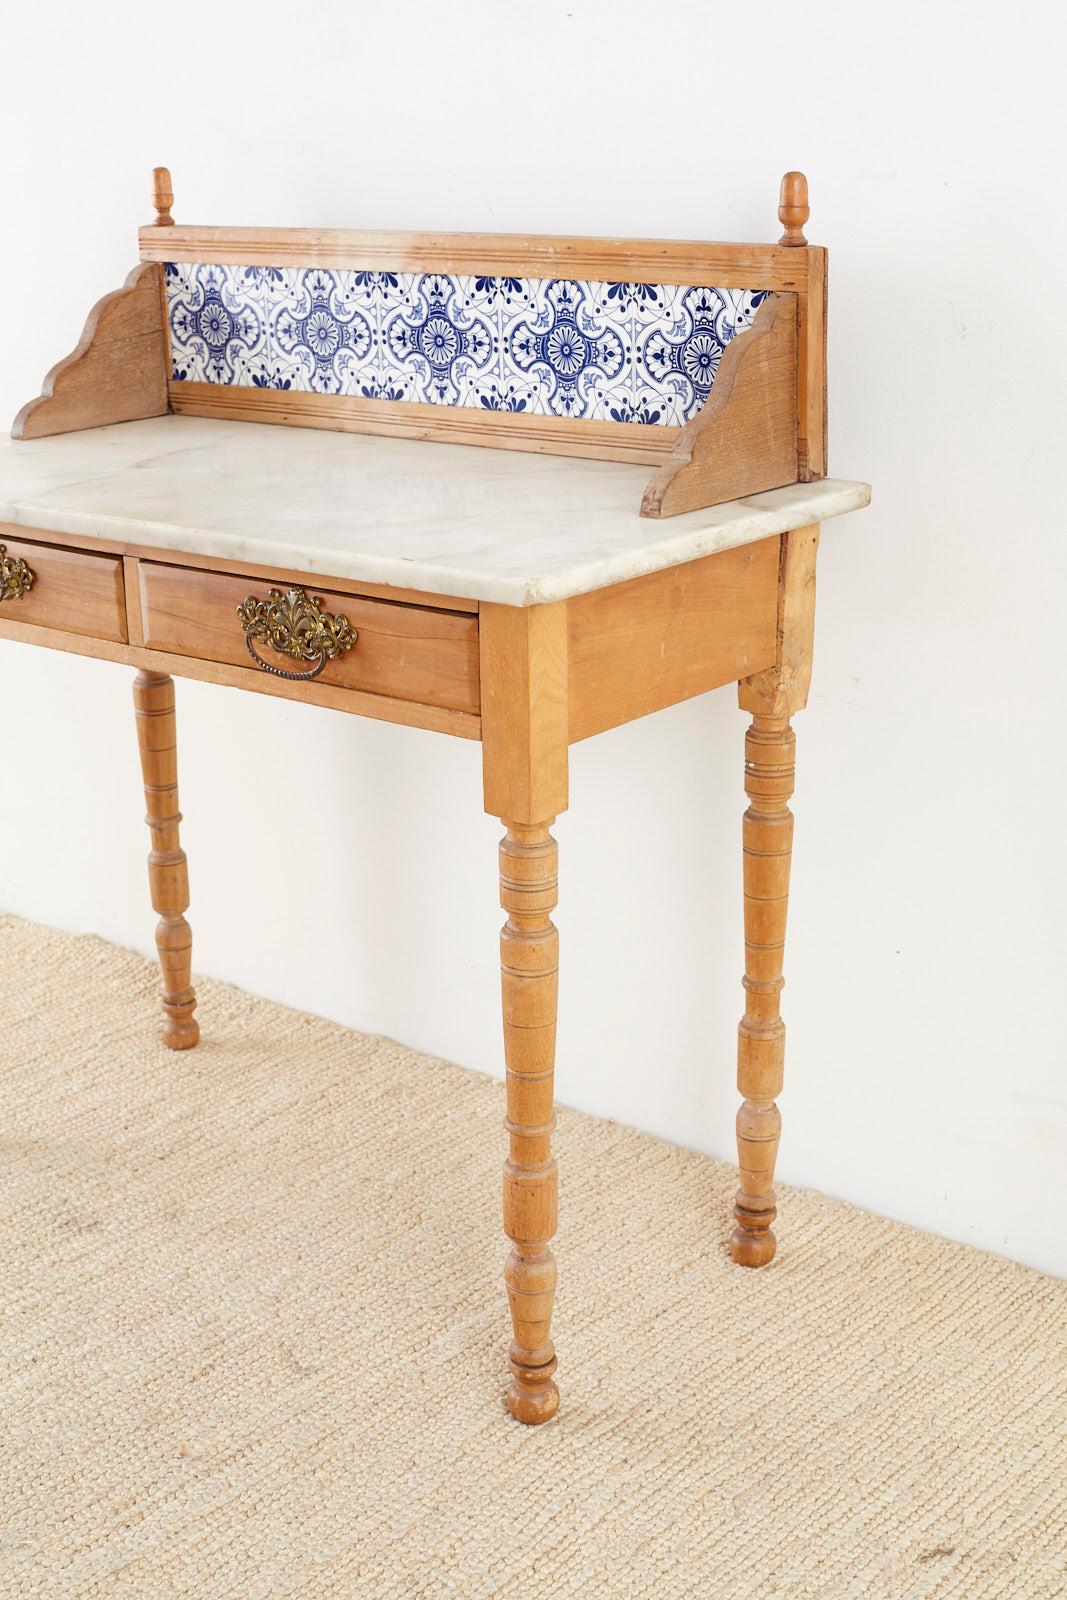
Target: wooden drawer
[
  {"x": 72, "y": 591},
  {"x": 406, "y": 651}
]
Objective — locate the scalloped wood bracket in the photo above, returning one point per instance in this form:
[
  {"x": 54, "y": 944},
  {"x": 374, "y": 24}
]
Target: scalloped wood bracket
[
  {"x": 118, "y": 370},
  {"x": 745, "y": 437}
]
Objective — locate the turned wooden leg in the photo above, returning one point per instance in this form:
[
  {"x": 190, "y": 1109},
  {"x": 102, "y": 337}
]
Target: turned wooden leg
[
  {"x": 523, "y": 659},
  {"x": 771, "y": 696},
  {"x": 529, "y": 968},
  {"x": 168, "y": 875},
  {"x": 768, "y": 842}
]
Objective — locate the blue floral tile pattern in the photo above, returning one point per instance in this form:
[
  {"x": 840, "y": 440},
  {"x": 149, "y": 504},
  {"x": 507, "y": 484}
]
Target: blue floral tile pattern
[{"x": 612, "y": 352}]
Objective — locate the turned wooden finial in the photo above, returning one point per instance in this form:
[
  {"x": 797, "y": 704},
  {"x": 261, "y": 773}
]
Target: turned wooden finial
[
  {"x": 793, "y": 209},
  {"x": 163, "y": 196}
]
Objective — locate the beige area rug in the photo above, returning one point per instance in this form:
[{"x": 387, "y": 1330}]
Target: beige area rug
[{"x": 254, "y": 1335}]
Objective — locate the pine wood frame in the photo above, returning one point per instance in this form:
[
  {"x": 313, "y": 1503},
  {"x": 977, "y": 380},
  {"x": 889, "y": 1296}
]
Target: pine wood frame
[
  {"x": 763, "y": 425},
  {"x": 547, "y": 675}
]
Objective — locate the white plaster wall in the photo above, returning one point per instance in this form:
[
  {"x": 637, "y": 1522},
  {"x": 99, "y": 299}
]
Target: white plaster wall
[{"x": 925, "y": 1073}]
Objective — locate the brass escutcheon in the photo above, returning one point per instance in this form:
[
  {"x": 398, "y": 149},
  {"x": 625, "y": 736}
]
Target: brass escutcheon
[
  {"x": 16, "y": 578},
  {"x": 292, "y": 624}
]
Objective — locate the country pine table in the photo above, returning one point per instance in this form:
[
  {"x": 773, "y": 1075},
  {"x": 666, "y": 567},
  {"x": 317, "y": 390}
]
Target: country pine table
[{"x": 372, "y": 560}]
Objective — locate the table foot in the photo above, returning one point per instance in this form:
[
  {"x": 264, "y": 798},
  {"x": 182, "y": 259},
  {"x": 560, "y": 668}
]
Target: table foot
[
  {"x": 532, "y": 1397},
  {"x": 752, "y": 1243}
]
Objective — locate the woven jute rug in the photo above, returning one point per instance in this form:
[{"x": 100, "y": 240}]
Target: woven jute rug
[{"x": 254, "y": 1341}]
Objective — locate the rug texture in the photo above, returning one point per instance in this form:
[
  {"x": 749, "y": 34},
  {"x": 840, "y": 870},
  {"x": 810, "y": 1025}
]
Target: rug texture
[{"x": 254, "y": 1341}]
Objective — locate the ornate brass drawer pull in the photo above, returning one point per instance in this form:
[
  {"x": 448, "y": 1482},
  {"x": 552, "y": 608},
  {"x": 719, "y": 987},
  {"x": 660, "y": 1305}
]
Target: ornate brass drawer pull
[
  {"x": 16, "y": 578},
  {"x": 292, "y": 624}
]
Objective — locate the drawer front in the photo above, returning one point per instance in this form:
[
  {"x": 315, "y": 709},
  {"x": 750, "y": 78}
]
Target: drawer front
[
  {"x": 405, "y": 651},
  {"x": 71, "y": 591}
]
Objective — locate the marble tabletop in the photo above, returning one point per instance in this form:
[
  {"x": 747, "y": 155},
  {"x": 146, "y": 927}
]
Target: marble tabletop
[{"x": 479, "y": 524}]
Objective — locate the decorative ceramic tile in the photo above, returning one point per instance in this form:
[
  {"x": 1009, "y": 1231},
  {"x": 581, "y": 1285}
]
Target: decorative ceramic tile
[{"x": 614, "y": 352}]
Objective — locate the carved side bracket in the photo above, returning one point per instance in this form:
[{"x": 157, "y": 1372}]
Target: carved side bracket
[
  {"x": 744, "y": 438},
  {"x": 118, "y": 370}
]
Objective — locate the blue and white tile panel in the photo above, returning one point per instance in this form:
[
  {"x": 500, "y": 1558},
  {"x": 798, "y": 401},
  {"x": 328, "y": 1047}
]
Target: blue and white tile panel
[{"x": 612, "y": 352}]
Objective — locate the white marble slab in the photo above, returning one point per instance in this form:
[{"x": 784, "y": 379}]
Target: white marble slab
[{"x": 451, "y": 519}]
